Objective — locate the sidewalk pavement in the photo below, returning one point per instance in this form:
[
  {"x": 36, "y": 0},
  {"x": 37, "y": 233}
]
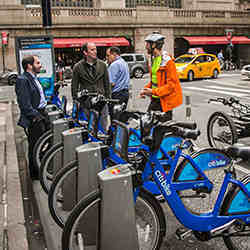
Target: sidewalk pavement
[{"x": 12, "y": 223}]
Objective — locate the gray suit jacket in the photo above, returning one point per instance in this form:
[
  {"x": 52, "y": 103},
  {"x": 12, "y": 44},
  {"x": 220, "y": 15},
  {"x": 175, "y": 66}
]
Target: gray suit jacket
[{"x": 82, "y": 79}]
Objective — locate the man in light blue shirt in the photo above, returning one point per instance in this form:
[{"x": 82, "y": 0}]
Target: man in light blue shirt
[{"x": 118, "y": 75}]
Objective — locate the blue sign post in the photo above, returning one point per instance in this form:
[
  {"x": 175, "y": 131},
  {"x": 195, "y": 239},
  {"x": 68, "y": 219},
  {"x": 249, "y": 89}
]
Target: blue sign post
[{"x": 41, "y": 46}]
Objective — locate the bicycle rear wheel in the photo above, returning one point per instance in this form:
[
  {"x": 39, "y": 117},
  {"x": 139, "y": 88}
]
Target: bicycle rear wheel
[
  {"x": 150, "y": 221},
  {"x": 41, "y": 146},
  {"x": 212, "y": 162},
  {"x": 221, "y": 131},
  {"x": 237, "y": 237},
  {"x": 46, "y": 169}
]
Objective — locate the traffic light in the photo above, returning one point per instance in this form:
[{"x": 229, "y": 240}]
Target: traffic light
[
  {"x": 4, "y": 36},
  {"x": 46, "y": 13}
]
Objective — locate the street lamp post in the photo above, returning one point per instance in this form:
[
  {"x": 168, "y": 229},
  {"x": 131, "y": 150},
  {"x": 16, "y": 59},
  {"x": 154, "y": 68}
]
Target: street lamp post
[{"x": 46, "y": 14}]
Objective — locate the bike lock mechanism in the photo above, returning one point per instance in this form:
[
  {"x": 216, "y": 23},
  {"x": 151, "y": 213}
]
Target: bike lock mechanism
[
  {"x": 72, "y": 138},
  {"x": 117, "y": 196},
  {"x": 54, "y": 115},
  {"x": 58, "y": 126},
  {"x": 90, "y": 158}
]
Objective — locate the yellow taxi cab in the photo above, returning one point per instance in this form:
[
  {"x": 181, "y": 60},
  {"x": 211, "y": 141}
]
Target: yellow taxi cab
[{"x": 203, "y": 65}]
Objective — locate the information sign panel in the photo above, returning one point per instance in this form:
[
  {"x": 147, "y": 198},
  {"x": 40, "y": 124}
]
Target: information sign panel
[{"x": 41, "y": 46}]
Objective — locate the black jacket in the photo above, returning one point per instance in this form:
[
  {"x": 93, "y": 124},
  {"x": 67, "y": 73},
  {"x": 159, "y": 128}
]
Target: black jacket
[
  {"x": 28, "y": 98},
  {"x": 82, "y": 79}
]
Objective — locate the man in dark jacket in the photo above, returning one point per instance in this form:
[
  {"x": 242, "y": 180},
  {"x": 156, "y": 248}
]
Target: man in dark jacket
[
  {"x": 32, "y": 102},
  {"x": 91, "y": 74}
]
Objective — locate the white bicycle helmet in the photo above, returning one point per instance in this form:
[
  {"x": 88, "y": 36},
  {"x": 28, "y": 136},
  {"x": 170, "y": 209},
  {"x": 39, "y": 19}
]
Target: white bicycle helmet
[{"x": 155, "y": 38}]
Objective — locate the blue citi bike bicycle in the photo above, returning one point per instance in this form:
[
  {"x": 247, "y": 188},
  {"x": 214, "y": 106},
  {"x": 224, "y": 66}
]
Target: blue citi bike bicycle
[{"x": 181, "y": 183}]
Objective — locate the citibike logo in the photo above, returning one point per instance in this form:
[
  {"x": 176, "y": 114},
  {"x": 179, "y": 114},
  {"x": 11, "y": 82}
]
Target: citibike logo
[
  {"x": 217, "y": 163},
  {"x": 163, "y": 182}
]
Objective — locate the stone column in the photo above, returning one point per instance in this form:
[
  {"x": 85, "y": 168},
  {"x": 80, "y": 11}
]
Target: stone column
[
  {"x": 141, "y": 33},
  {"x": 107, "y": 4}
]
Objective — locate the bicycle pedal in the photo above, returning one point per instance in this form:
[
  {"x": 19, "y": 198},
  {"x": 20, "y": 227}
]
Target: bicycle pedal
[{"x": 183, "y": 233}]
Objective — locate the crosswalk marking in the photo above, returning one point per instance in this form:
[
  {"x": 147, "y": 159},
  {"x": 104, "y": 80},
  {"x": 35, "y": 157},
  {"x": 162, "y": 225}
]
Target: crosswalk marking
[
  {"x": 223, "y": 82},
  {"x": 216, "y": 91},
  {"x": 229, "y": 75},
  {"x": 233, "y": 89}
]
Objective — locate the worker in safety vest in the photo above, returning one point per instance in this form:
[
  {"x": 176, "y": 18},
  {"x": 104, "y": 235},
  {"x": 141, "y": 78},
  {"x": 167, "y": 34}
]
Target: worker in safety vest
[{"x": 164, "y": 88}]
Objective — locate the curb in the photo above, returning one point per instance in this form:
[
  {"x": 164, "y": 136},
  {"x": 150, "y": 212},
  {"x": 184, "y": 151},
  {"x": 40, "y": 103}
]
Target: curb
[{"x": 12, "y": 223}]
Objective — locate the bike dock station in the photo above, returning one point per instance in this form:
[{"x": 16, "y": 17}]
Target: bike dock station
[
  {"x": 54, "y": 115},
  {"x": 72, "y": 139},
  {"x": 87, "y": 177},
  {"x": 117, "y": 209}
]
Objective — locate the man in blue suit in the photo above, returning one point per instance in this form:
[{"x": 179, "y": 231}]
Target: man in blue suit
[{"x": 32, "y": 102}]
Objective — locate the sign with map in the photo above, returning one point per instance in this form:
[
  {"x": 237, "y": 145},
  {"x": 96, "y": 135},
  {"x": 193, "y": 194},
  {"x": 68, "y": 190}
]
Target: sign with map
[{"x": 41, "y": 46}]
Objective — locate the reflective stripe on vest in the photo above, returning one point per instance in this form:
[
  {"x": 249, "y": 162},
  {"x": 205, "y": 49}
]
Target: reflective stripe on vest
[{"x": 155, "y": 66}]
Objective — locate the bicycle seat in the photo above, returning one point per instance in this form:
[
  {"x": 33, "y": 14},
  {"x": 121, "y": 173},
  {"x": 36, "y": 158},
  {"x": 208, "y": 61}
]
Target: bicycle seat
[
  {"x": 239, "y": 151},
  {"x": 186, "y": 133}
]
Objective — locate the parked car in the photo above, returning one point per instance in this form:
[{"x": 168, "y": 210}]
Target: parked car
[
  {"x": 246, "y": 71},
  {"x": 137, "y": 63},
  {"x": 8, "y": 77},
  {"x": 202, "y": 65}
]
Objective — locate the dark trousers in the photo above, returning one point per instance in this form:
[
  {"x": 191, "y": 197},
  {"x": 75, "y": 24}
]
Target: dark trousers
[
  {"x": 155, "y": 105},
  {"x": 158, "y": 135},
  {"x": 122, "y": 96},
  {"x": 35, "y": 130}
]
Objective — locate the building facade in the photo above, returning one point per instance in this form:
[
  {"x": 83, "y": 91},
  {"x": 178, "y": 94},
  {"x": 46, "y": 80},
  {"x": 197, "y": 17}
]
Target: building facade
[{"x": 127, "y": 22}]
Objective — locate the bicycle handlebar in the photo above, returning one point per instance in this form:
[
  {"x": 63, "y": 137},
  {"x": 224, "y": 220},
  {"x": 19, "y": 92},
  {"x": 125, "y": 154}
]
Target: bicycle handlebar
[{"x": 225, "y": 101}]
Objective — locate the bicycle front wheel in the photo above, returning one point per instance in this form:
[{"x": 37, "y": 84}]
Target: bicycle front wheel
[
  {"x": 55, "y": 196},
  {"x": 41, "y": 146},
  {"x": 47, "y": 170},
  {"x": 150, "y": 221},
  {"x": 221, "y": 131}
]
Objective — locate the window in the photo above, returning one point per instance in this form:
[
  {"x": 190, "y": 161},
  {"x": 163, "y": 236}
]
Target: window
[
  {"x": 201, "y": 59},
  {"x": 184, "y": 59},
  {"x": 161, "y": 3},
  {"x": 63, "y": 3},
  {"x": 139, "y": 58},
  {"x": 128, "y": 58}
]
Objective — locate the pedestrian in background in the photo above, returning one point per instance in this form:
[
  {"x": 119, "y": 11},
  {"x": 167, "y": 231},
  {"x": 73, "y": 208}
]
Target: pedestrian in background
[
  {"x": 60, "y": 66},
  {"x": 164, "y": 88},
  {"x": 91, "y": 74},
  {"x": 32, "y": 103},
  {"x": 220, "y": 55},
  {"x": 118, "y": 75}
]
